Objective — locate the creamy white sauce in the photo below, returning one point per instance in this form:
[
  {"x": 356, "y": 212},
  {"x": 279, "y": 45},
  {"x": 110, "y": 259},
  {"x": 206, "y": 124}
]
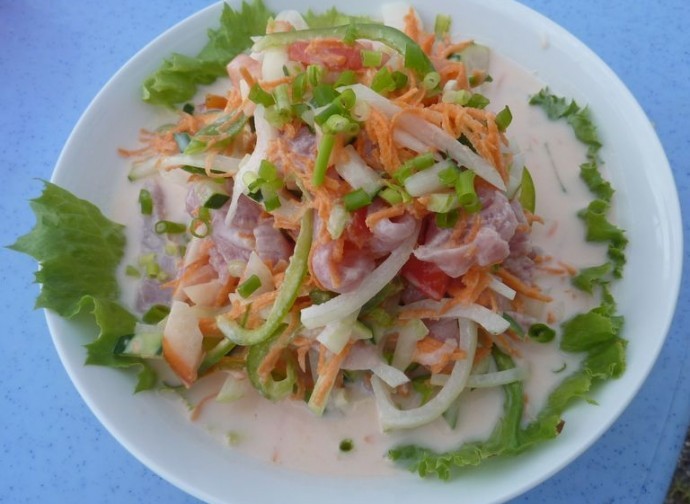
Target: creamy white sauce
[{"x": 288, "y": 434}]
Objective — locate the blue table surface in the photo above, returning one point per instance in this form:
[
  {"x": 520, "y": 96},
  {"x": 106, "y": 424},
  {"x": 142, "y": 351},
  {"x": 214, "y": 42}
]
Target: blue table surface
[{"x": 56, "y": 55}]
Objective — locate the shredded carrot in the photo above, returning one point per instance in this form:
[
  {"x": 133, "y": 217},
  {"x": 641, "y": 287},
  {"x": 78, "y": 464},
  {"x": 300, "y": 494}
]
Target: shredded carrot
[
  {"x": 247, "y": 76},
  {"x": 385, "y": 213},
  {"x": 379, "y": 129},
  {"x": 518, "y": 285},
  {"x": 328, "y": 373},
  {"x": 412, "y": 28},
  {"x": 216, "y": 102}
]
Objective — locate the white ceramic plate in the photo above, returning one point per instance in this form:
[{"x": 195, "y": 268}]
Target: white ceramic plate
[{"x": 646, "y": 204}]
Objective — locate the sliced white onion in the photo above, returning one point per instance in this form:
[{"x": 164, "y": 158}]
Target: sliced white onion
[
  {"x": 337, "y": 221},
  {"x": 502, "y": 289},
  {"x": 336, "y": 334},
  {"x": 358, "y": 174},
  {"x": 345, "y": 304},
  {"x": 203, "y": 294},
  {"x": 274, "y": 59},
  {"x": 294, "y": 18},
  {"x": 442, "y": 141},
  {"x": 430, "y": 135},
  {"x": 498, "y": 378},
  {"x": 426, "y": 181},
  {"x": 265, "y": 134},
  {"x": 393, "y": 418},
  {"x": 489, "y": 320},
  {"x": 233, "y": 389},
  {"x": 367, "y": 358},
  {"x": 405, "y": 139},
  {"x": 408, "y": 336},
  {"x": 485, "y": 380},
  {"x": 225, "y": 164}
]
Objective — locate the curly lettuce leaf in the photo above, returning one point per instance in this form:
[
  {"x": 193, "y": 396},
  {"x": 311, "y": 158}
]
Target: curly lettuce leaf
[
  {"x": 604, "y": 359},
  {"x": 177, "y": 78},
  {"x": 78, "y": 250}
]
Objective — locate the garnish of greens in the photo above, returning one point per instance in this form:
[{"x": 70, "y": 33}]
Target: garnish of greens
[{"x": 287, "y": 319}]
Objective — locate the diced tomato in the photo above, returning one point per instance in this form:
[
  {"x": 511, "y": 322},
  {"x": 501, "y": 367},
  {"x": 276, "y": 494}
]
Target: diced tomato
[
  {"x": 332, "y": 53},
  {"x": 357, "y": 231},
  {"x": 426, "y": 276}
]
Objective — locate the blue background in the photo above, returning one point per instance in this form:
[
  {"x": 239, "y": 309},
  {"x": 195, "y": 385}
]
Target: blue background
[{"x": 55, "y": 56}]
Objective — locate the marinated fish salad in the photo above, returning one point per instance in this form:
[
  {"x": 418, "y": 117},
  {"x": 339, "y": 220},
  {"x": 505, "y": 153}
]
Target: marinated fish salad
[{"x": 343, "y": 214}]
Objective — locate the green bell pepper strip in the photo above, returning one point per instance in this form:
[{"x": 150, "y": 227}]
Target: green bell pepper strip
[
  {"x": 272, "y": 389},
  {"x": 388, "y": 35},
  {"x": 287, "y": 293}
]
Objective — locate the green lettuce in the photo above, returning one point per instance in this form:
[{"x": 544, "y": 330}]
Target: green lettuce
[
  {"x": 177, "y": 78},
  {"x": 79, "y": 250}
]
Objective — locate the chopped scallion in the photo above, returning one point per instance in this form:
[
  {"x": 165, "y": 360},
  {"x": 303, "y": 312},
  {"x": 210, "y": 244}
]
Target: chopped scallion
[
  {"x": 324, "y": 95},
  {"x": 383, "y": 82},
  {"x": 260, "y": 97},
  {"x": 442, "y": 25},
  {"x": 322, "y": 158},
  {"x": 541, "y": 333},
  {"x": 390, "y": 195},
  {"x": 170, "y": 227},
  {"x": 155, "y": 314},
  {"x": 249, "y": 286},
  {"x": 372, "y": 58},
  {"x": 146, "y": 202},
  {"x": 356, "y": 200},
  {"x": 528, "y": 196},
  {"x": 504, "y": 118},
  {"x": 447, "y": 219},
  {"x": 188, "y": 108},
  {"x": 346, "y": 78},
  {"x": 477, "y": 101},
  {"x": 282, "y": 98},
  {"x": 431, "y": 80},
  {"x": 132, "y": 271},
  {"x": 299, "y": 86},
  {"x": 467, "y": 195},
  {"x": 315, "y": 74}
]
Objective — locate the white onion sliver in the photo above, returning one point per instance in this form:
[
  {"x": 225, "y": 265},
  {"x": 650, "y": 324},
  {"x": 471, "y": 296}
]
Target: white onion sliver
[
  {"x": 358, "y": 174},
  {"x": 265, "y": 133},
  {"x": 393, "y": 418},
  {"x": 405, "y": 139},
  {"x": 408, "y": 336},
  {"x": 426, "y": 181},
  {"x": 489, "y": 320},
  {"x": 500, "y": 288},
  {"x": 336, "y": 334},
  {"x": 225, "y": 164},
  {"x": 374, "y": 99},
  {"x": 439, "y": 139},
  {"x": 345, "y": 304},
  {"x": 497, "y": 378},
  {"x": 392, "y": 376}
]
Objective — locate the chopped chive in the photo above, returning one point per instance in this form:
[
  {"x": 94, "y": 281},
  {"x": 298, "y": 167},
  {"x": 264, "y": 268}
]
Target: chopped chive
[
  {"x": 200, "y": 228},
  {"x": 282, "y": 98},
  {"x": 271, "y": 202},
  {"x": 347, "y": 99},
  {"x": 514, "y": 326},
  {"x": 299, "y": 86},
  {"x": 504, "y": 118},
  {"x": 152, "y": 269},
  {"x": 464, "y": 187},
  {"x": 431, "y": 80},
  {"x": 182, "y": 140},
  {"x": 188, "y": 108},
  {"x": 340, "y": 124},
  {"x": 477, "y": 101},
  {"x": 383, "y": 82},
  {"x": 356, "y": 200},
  {"x": 442, "y": 203},
  {"x": 249, "y": 286},
  {"x": 447, "y": 219},
  {"x": 528, "y": 195},
  {"x": 400, "y": 79},
  {"x": 346, "y": 445},
  {"x": 371, "y": 58},
  {"x": 324, "y": 95},
  {"x": 132, "y": 271},
  {"x": 145, "y": 202},
  {"x": 267, "y": 170},
  {"x": 315, "y": 74},
  {"x": 261, "y": 97},
  {"x": 421, "y": 162},
  {"x": 165, "y": 226},
  {"x": 346, "y": 78},
  {"x": 441, "y": 25},
  {"x": 541, "y": 333},
  {"x": 155, "y": 314},
  {"x": 459, "y": 97},
  {"x": 449, "y": 176},
  {"x": 322, "y": 157},
  {"x": 390, "y": 195}
]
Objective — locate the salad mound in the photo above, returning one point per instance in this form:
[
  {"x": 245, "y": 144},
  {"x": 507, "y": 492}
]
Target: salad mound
[{"x": 354, "y": 222}]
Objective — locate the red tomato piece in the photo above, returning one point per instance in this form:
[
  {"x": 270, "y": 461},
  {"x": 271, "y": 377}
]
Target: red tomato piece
[
  {"x": 332, "y": 53},
  {"x": 427, "y": 277},
  {"x": 357, "y": 231}
]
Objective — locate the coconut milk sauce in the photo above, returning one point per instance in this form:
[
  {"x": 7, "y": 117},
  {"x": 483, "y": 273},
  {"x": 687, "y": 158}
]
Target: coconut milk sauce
[{"x": 288, "y": 434}]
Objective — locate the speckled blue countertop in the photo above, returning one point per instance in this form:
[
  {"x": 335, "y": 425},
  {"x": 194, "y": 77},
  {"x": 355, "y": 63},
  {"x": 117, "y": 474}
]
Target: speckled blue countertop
[{"x": 55, "y": 57}]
